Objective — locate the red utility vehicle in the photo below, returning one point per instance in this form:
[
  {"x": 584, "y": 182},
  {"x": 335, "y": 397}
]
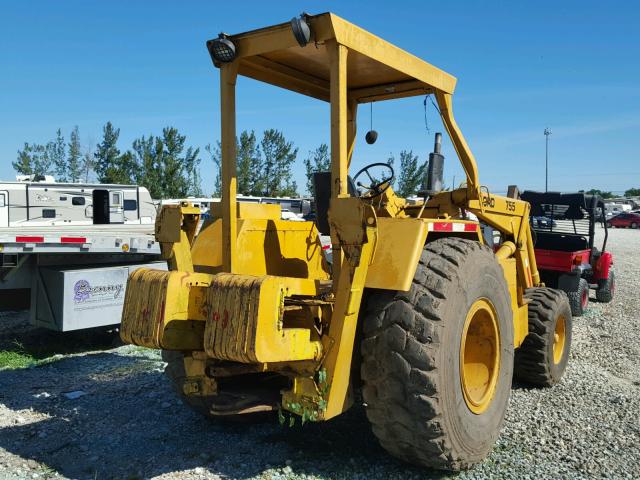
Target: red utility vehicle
[
  {"x": 631, "y": 220},
  {"x": 564, "y": 229}
]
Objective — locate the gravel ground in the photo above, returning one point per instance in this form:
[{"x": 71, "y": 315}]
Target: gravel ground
[{"x": 129, "y": 425}]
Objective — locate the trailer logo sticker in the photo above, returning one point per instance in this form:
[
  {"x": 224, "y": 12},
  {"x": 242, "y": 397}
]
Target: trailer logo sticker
[{"x": 83, "y": 291}]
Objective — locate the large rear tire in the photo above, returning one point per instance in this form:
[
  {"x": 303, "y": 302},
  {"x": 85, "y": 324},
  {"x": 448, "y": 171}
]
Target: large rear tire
[
  {"x": 437, "y": 361},
  {"x": 543, "y": 356}
]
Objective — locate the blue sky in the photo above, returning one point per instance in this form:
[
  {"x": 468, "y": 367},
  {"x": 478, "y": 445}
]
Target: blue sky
[{"x": 573, "y": 66}]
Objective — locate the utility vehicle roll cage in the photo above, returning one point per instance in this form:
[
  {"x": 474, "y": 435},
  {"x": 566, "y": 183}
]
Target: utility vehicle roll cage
[{"x": 570, "y": 214}]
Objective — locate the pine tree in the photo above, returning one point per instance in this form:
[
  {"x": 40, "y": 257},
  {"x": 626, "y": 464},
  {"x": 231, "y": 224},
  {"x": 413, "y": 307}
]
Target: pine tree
[
  {"x": 56, "y": 151},
  {"x": 278, "y": 159},
  {"x": 74, "y": 159},
  {"x": 248, "y": 162},
  {"x": 88, "y": 164},
  {"x": 177, "y": 167},
  {"x": 411, "y": 173},
  {"x": 194, "y": 182},
  {"x": 318, "y": 160},
  {"x": 42, "y": 163},
  {"x": 106, "y": 156},
  {"x": 164, "y": 166},
  {"x": 24, "y": 164},
  {"x": 216, "y": 157},
  {"x": 39, "y": 160},
  {"x": 173, "y": 183},
  {"x": 146, "y": 151}
]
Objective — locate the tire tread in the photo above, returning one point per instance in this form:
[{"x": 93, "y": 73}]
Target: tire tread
[{"x": 407, "y": 420}]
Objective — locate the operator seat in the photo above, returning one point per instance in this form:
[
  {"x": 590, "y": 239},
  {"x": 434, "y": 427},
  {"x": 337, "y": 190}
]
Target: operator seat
[{"x": 322, "y": 196}]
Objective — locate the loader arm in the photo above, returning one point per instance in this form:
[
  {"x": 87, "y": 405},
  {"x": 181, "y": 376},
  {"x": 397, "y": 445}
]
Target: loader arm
[{"x": 510, "y": 217}]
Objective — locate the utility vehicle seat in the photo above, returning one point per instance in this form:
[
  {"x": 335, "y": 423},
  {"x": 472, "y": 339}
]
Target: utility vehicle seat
[{"x": 563, "y": 243}]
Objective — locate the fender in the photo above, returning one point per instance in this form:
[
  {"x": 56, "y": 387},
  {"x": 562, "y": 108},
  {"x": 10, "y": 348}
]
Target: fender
[{"x": 602, "y": 266}]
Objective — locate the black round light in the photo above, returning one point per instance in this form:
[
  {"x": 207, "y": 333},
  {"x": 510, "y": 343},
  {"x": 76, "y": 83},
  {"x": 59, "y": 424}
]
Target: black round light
[
  {"x": 371, "y": 137},
  {"x": 222, "y": 50},
  {"x": 301, "y": 30}
]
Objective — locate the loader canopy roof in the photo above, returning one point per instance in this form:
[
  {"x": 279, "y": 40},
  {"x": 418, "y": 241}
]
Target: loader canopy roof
[{"x": 377, "y": 70}]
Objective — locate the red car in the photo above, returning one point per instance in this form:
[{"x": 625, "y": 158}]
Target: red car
[{"x": 631, "y": 220}]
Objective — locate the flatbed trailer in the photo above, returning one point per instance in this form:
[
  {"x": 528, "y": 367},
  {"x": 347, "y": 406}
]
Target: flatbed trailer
[{"x": 73, "y": 277}]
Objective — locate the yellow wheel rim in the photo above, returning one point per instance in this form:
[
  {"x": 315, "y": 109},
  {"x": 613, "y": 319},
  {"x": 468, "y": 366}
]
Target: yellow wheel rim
[
  {"x": 559, "y": 339},
  {"x": 480, "y": 356}
]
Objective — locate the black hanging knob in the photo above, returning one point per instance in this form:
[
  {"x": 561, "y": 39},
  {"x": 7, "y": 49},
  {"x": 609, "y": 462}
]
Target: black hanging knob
[{"x": 371, "y": 137}]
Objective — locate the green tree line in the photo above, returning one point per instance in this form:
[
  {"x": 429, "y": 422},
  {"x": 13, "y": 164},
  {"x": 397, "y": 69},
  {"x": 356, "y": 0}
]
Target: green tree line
[
  {"x": 410, "y": 174},
  {"x": 170, "y": 168},
  {"x": 631, "y": 192},
  {"x": 164, "y": 164},
  {"x": 265, "y": 167},
  {"x": 65, "y": 161}
]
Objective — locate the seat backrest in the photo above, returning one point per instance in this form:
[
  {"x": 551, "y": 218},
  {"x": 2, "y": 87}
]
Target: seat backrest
[
  {"x": 563, "y": 243},
  {"x": 322, "y": 196}
]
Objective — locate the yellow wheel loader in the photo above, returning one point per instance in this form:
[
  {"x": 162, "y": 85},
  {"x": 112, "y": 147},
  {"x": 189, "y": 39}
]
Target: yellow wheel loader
[{"x": 417, "y": 315}]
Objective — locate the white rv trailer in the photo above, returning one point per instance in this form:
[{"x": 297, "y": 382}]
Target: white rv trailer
[
  {"x": 67, "y": 249},
  {"x": 49, "y": 203}
]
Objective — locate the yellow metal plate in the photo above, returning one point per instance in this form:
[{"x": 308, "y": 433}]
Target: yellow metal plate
[
  {"x": 398, "y": 249},
  {"x": 246, "y": 320},
  {"x": 158, "y": 302}
]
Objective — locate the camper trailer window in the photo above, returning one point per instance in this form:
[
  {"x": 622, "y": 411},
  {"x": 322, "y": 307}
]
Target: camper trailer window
[
  {"x": 130, "y": 205},
  {"x": 63, "y": 199},
  {"x": 77, "y": 200},
  {"x": 48, "y": 213}
]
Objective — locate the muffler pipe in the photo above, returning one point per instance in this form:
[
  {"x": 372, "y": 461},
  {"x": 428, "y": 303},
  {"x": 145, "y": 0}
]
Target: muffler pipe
[{"x": 433, "y": 182}]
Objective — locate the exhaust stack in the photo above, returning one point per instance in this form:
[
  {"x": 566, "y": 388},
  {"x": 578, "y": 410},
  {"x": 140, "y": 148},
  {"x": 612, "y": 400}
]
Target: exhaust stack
[{"x": 433, "y": 179}]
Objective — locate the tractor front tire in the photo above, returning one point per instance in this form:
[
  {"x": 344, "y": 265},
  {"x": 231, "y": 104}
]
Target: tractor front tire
[
  {"x": 437, "y": 361},
  {"x": 606, "y": 288},
  {"x": 579, "y": 300},
  {"x": 542, "y": 358}
]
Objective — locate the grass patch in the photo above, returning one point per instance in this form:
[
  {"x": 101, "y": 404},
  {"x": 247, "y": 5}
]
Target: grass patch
[
  {"x": 10, "y": 360},
  {"x": 40, "y": 347}
]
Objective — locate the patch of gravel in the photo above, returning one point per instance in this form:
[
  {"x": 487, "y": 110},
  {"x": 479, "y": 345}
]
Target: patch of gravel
[{"x": 128, "y": 424}]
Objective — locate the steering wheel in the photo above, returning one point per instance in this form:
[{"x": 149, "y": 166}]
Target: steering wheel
[{"x": 376, "y": 187}]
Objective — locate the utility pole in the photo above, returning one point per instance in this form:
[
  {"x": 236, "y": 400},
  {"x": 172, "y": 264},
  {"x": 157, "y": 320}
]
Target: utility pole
[{"x": 547, "y": 132}]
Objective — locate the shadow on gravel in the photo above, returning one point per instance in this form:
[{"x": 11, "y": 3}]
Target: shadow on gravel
[
  {"x": 30, "y": 345},
  {"x": 129, "y": 424}
]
